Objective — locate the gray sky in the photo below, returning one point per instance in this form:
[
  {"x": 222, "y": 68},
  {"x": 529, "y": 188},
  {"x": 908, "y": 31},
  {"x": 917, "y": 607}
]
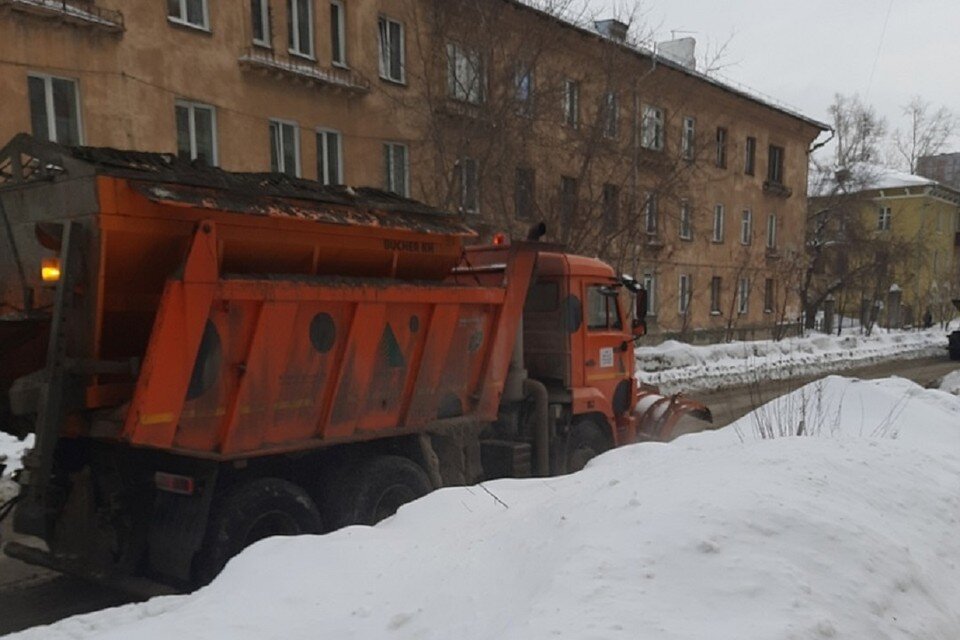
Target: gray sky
[{"x": 802, "y": 52}]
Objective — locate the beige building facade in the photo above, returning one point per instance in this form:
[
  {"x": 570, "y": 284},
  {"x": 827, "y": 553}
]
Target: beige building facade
[{"x": 500, "y": 113}]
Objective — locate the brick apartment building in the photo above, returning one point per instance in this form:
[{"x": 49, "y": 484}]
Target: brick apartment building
[{"x": 499, "y": 112}]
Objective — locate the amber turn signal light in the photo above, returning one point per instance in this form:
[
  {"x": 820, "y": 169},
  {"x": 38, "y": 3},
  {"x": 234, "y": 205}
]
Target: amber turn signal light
[{"x": 50, "y": 269}]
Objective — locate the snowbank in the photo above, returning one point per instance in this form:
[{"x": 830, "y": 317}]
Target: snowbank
[
  {"x": 951, "y": 383},
  {"x": 716, "y": 536},
  {"x": 11, "y": 452},
  {"x": 677, "y": 366}
]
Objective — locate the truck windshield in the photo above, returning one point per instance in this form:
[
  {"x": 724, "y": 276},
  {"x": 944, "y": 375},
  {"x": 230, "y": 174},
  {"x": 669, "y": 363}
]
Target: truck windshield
[{"x": 602, "y": 310}]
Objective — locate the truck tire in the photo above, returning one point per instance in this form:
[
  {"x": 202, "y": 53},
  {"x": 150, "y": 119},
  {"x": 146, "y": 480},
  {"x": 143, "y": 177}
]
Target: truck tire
[
  {"x": 376, "y": 488},
  {"x": 250, "y": 512},
  {"x": 585, "y": 441}
]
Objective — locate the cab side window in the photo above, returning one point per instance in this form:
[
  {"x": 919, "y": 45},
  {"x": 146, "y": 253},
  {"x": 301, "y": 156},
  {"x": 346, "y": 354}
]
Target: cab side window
[{"x": 602, "y": 310}]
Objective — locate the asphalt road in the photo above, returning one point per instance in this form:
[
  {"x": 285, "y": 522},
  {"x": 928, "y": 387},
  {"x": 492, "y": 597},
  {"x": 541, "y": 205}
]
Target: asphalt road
[{"x": 31, "y": 596}]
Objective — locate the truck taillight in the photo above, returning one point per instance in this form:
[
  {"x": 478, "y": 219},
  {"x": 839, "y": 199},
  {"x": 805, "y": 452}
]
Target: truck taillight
[
  {"x": 50, "y": 269},
  {"x": 183, "y": 485}
]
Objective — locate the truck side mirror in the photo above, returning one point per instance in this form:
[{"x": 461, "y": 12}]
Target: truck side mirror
[{"x": 640, "y": 314}]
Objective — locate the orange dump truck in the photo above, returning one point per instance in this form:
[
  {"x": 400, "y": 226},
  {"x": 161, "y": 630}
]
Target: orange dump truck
[{"x": 209, "y": 358}]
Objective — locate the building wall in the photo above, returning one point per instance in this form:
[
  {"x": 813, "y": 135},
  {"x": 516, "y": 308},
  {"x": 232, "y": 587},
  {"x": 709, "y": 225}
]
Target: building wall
[{"x": 129, "y": 83}]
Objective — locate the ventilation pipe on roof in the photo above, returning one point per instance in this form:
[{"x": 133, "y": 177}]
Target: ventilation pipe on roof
[{"x": 613, "y": 29}]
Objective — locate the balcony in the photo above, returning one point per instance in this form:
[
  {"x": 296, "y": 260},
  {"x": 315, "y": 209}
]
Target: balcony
[
  {"x": 776, "y": 189},
  {"x": 334, "y": 78},
  {"x": 80, "y": 13}
]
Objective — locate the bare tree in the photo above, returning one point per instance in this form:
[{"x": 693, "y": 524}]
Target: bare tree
[
  {"x": 926, "y": 134},
  {"x": 860, "y": 131}
]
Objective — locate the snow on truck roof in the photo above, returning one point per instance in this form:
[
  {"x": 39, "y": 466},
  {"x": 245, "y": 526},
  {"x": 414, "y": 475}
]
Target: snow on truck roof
[{"x": 165, "y": 177}]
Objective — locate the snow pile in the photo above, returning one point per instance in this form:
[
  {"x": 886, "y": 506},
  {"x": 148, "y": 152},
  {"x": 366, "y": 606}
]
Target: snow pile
[
  {"x": 951, "y": 383},
  {"x": 11, "y": 452},
  {"x": 677, "y": 366},
  {"x": 708, "y": 537}
]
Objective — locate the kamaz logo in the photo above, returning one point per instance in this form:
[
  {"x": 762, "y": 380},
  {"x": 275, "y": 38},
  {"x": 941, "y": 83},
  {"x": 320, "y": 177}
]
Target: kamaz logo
[{"x": 410, "y": 245}]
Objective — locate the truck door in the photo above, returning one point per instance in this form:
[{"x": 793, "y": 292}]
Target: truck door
[{"x": 606, "y": 363}]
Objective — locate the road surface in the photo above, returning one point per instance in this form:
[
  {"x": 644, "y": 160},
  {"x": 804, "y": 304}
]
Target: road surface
[{"x": 31, "y": 596}]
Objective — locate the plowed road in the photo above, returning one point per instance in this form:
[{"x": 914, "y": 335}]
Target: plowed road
[{"x": 31, "y": 596}]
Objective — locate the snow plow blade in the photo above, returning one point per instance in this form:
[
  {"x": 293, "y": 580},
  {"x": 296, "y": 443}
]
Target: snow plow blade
[{"x": 657, "y": 414}]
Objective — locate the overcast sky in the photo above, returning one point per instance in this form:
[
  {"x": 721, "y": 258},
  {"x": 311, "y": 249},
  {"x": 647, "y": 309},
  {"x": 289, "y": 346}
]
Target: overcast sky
[{"x": 804, "y": 51}]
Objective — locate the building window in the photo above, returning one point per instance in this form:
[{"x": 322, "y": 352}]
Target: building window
[
  {"x": 716, "y": 286},
  {"x": 750, "y": 156},
  {"x": 651, "y": 131},
  {"x": 686, "y": 224},
  {"x": 329, "y": 157},
  {"x": 611, "y": 207},
  {"x": 772, "y": 231},
  {"x": 684, "y": 294},
  {"x": 651, "y": 215},
  {"x": 392, "y": 50},
  {"x": 285, "y": 147},
  {"x": 260, "y": 19},
  {"x": 396, "y": 168},
  {"x": 523, "y": 89},
  {"x": 568, "y": 200},
  {"x": 650, "y": 286},
  {"x": 465, "y": 75},
  {"x": 743, "y": 296},
  {"x": 469, "y": 180},
  {"x": 718, "y": 215},
  {"x": 768, "y": 295},
  {"x": 523, "y": 194},
  {"x": 689, "y": 148},
  {"x": 338, "y": 34},
  {"x": 300, "y": 27},
  {"x": 746, "y": 227},
  {"x": 196, "y": 132},
  {"x": 571, "y": 103},
  {"x": 775, "y": 165},
  {"x": 883, "y": 222},
  {"x": 55, "y": 109},
  {"x": 188, "y": 12},
  {"x": 611, "y": 114},
  {"x": 721, "y": 147}
]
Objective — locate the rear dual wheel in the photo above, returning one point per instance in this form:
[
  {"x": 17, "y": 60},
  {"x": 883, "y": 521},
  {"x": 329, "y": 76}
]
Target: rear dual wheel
[{"x": 585, "y": 441}]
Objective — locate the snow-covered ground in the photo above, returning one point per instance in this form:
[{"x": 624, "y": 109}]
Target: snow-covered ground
[
  {"x": 11, "y": 452},
  {"x": 677, "y": 366},
  {"x": 851, "y": 532}
]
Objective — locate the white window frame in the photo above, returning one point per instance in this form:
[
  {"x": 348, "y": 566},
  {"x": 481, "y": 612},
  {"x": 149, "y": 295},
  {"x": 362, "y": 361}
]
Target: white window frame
[
  {"x": 323, "y": 138},
  {"x": 464, "y": 175},
  {"x": 750, "y": 156},
  {"x": 689, "y": 138},
  {"x": 48, "y": 103},
  {"x": 743, "y": 296},
  {"x": 611, "y": 115},
  {"x": 885, "y": 217},
  {"x": 339, "y": 58},
  {"x": 769, "y": 304},
  {"x": 191, "y": 107},
  {"x": 651, "y": 222},
  {"x": 385, "y": 59},
  {"x": 721, "y": 144},
  {"x": 716, "y": 290},
  {"x": 523, "y": 81},
  {"x": 571, "y": 103},
  {"x": 719, "y": 215},
  {"x": 686, "y": 221},
  {"x": 281, "y": 161},
  {"x": 746, "y": 227},
  {"x": 772, "y": 231},
  {"x": 651, "y": 128},
  {"x": 650, "y": 285},
  {"x": 388, "y": 149},
  {"x": 265, "y": 19},
  {"x": 297, "y": 47},
  {"x": 466, "y": 74},
  {"x": 182, "y": 18},
  {"x": 684, "y": 286}
]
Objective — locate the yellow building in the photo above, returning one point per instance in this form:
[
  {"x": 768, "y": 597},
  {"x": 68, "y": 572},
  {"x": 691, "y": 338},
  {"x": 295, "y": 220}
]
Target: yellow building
[
  {"x": 906, "y": 236},
  {"x": 500, "y": 112}
]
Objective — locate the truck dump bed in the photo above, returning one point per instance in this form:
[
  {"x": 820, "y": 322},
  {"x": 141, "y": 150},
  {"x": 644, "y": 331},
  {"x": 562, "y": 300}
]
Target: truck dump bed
[{"x": 222, "y": 314}]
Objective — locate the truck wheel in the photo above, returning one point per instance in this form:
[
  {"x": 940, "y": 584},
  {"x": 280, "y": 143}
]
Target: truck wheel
[
  {"x": 376, "y": 488},
  {"x": 584, "y": 442},
  {"x": 250, "y": 512}
]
